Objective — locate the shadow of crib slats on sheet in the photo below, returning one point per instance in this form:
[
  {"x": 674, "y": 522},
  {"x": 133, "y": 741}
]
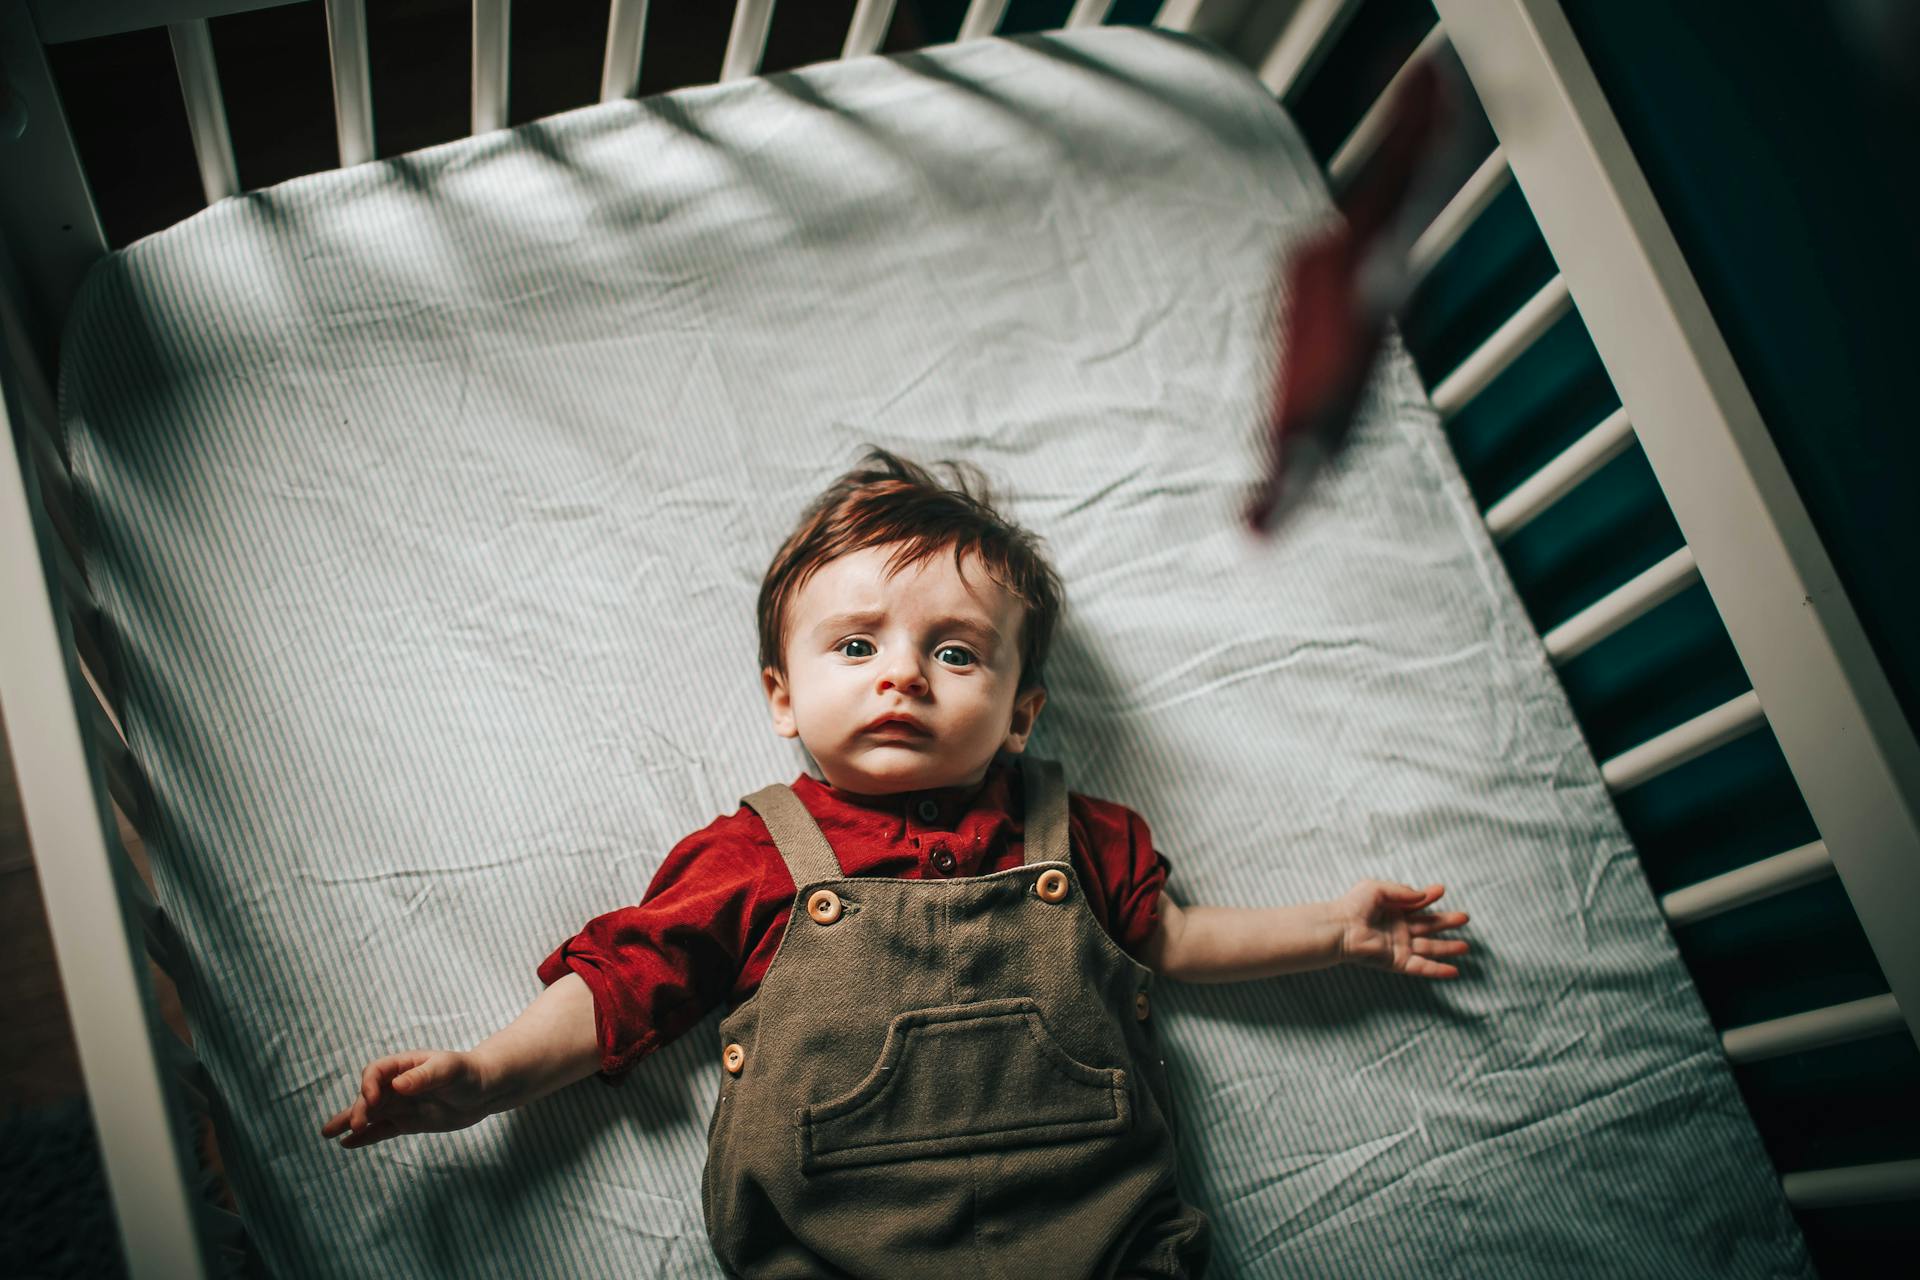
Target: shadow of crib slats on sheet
[{"x": 123, "y": 98}]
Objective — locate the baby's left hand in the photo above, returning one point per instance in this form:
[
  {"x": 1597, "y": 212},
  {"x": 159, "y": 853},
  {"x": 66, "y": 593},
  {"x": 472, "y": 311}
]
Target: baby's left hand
[{"x": 1384, "y": 925}]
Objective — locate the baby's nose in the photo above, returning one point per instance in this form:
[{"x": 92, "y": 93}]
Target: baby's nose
[{"x": 905, "y": 677}]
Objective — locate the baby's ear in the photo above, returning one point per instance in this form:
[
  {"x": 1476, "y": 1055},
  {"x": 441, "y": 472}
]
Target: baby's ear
[
  {"x": 779, "y": 702},
  {"x": 1026, "y": 709}
]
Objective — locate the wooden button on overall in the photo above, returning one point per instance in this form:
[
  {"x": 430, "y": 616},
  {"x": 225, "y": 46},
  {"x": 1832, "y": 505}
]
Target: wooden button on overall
[
  {"x": 1051, "y": 886},
  {"x": 824, "y": 906},
  {"x": 733, "y": 1059}
]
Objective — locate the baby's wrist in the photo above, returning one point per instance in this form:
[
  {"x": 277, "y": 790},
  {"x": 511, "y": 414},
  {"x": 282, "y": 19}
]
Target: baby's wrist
[
  {"x": 494, "y": 1079},
  {"x": 1335, "y": 926}
]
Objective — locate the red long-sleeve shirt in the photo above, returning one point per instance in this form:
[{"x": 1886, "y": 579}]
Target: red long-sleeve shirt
[{"x": 711, "y": 920}]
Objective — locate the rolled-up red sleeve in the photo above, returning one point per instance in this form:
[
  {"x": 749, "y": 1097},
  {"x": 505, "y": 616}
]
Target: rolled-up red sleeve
[
  {"x": 1123, "y": 871},
  {"x": 655, "y": 969}
]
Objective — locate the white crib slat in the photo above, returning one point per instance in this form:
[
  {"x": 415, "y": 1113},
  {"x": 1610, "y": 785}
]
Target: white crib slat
[
  {"x": 492, "y": 20},
  {"x": 1592, "y": 451},
  {"x": 626, "y": 37},
  {"x": 159, "y": 939},
  {"x": 1751, "y": 883},
  {"x": 747, "y": 41},
  {"x": 73, "y": 582},
  {"x": 1089, "y": 13},
  {"x": 86, "y": 647},
  {"x": 1858, "y": 1184},
  {"x": 1491, "y": 359},
  {"x": 983, "y": 19},
  {"x": 1621, "y": 606},
  {"x": 123, "y": 777},
  {"x": 188, "y": 1073},
  {"x": 1301, "y": 42},
  {"x": 1814, "y": 1029},
  {"x": 1366, "y": 135},
  {"x": 1178, "y": 15},
  {"x": 206, "y": 113},
  {"x": 1686, "y": 741},
  {"x": 352, "y": 82},
  {"x": 868, "y": 28},
  {"x": 1481, "y": 190}
]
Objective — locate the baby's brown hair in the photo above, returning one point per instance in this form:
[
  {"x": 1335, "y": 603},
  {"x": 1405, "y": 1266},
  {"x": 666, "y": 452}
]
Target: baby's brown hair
[{"x": 887, "y": 499}]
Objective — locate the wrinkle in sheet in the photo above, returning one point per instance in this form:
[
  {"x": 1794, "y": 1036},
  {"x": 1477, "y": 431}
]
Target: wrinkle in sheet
[{"x": 1317, "y": 1180}]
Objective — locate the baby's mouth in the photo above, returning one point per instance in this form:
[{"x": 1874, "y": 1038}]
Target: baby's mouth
[{"x": 897, "y": 726}]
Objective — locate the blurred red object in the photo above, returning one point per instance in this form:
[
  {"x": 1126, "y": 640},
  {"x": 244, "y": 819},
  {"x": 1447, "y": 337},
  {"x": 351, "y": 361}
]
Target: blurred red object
[{"x": 1337, "y": 294}]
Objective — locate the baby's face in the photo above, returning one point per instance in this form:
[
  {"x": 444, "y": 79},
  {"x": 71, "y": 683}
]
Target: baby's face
[{"x": 903, "y": 681}]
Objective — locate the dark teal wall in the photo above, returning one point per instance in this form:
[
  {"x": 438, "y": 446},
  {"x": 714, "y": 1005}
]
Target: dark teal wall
[{"x": 1789, "y": 169}]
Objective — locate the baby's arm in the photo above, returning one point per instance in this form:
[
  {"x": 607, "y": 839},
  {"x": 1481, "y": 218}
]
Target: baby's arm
[
  {"x": 1376, "y": 923},
  {"x": 549, "y": 1046}
]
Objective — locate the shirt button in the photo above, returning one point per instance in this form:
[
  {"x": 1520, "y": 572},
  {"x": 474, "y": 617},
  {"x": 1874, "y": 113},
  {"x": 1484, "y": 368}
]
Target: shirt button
[
  {"x": 929, "y": 810},
  {"x": 943, "y": 861}
]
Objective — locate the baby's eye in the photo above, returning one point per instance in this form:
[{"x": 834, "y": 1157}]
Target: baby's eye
[
  {"x": 955, "y": 655},
  {"x": 856, "y": 648}
]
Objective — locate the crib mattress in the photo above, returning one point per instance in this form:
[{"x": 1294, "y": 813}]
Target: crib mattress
[{"x": 429, "y": 500}]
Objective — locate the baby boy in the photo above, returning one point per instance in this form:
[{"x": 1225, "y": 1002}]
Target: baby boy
[{"x": 940, "y": 1053}]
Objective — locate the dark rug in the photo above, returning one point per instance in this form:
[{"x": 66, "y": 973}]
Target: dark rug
[{"x": 56, "y": 1219}]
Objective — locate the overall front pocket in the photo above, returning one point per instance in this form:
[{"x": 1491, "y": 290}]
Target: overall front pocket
[{"x": 965, "y": 1077}]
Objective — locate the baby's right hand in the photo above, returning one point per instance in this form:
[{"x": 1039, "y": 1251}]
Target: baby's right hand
[{"x": 414, "y": 1092}]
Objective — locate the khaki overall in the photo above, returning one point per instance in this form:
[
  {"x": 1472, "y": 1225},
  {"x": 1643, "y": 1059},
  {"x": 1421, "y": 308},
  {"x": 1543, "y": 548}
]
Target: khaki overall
[{"x": 945, "y": 1078}]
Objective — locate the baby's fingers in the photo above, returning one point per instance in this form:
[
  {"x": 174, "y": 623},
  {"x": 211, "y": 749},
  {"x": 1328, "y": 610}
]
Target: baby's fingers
[
  {"x": 1426, "y": 922},
  {"x": 1438, "y": 947},
  {"x": 429, "y": 1073},
  {"x": 377, "y": 1131},
  {"x": 1419, "y": 966},
  {"x": 338, "y": 1125},
  {"x": 376, "y": 1081}
]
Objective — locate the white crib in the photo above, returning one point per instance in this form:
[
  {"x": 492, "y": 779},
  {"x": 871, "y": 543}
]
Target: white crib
[{"x": 1815, "y": 681}]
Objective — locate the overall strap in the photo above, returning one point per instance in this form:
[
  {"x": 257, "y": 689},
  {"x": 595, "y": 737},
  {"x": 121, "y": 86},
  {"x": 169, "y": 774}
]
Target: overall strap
[
  {"x": 795, "y": 834},
  {"x": 1046, "y": 820}
]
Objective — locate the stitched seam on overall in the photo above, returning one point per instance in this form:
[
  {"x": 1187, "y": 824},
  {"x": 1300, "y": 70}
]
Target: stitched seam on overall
[{"x": 973, "y": 1171}]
